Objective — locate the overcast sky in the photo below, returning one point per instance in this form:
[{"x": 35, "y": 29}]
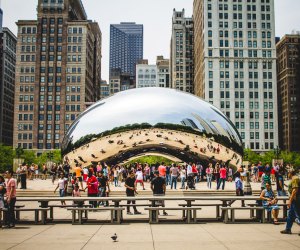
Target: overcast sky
[{"x": 155, "y": 15}]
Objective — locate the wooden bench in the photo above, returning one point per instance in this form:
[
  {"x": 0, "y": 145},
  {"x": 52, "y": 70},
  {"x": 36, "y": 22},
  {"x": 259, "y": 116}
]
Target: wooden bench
[
  {"x": 217, "y": 205},
  {"x": 153, "y": 213},
  {"x": 269, "y": 214},
  {"x": 36, "y": 213},
  {"x": 80, "y": 210},
  {"x": 232, "y": 212},
  {"x": 64, "y": 206}
]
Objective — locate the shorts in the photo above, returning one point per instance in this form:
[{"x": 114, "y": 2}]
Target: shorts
[
  {"x": 79, "y": 178},
  {"x": 139, "y": 181}
]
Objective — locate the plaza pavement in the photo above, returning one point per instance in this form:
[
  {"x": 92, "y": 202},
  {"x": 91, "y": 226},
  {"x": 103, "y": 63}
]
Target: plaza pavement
[{"x": 136, "y": 233}]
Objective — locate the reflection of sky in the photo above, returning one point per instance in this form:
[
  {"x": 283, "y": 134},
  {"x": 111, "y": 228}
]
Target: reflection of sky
[{"x": 146, "y": 105}]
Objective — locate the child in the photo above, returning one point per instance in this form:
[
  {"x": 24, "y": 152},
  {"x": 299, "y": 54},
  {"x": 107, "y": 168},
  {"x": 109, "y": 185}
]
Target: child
[{"x": 76, "y": 193}]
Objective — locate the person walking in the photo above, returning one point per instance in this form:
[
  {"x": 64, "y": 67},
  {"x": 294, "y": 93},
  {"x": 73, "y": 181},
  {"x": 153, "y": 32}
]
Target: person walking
[
  {"x": 209, "y": 173},
  {"x": 130, "y": 185},
  {"x": 174, "y": 175},
  {"x": 53, "y": 172},
  {"x": 158, "y": 187},
  {"x": 223, "y": 173},
  {"x": 61, "y": 185},
  {"x": 103, "y": 187},
  {"x": 78, "y": 172},
  {"x": 23, "y": 176},
  {"x": 10, "y": 199},
  {"x": 294, "y": 203},
  {"x": 140, "y": 177}
]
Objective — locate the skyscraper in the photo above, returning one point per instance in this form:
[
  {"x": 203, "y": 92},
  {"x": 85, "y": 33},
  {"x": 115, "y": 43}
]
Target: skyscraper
[
  {"x": 1, "y": 18},
  {"x": 126, "y": 47},
  {"x": 288, "y": 77},
  {"x": 8, "y": 43},
  {"x": 182, "y": 46},
  {"x": 58, "y": 72},
  {"x": 235, "y": 65}
]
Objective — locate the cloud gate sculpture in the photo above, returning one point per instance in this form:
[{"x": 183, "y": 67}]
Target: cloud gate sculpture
[{"x": 152, "y": 121}]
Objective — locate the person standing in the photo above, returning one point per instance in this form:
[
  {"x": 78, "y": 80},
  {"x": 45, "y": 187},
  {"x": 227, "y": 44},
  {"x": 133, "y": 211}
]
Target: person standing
[
  {"x": 294, "y": 203},
  {"x": 158, "y": 187},
  {"x": 209, "y": 173},
  {"x": 10, "y": 199},
  {"x": 78, "y": 172},
  {"x": 23, "y": 176},
  {"x": 61, "y": 185},
  {"x": 140, "y": 178},
  {"x": 67, "y": 169},
  {"x": 102, "y": 184},
  {"x": 182, "y": 177},
  {"x": 92, "y": 187},
  {"x": 162, "y": 170},
  {"x": 53, "y": 172},
  {"x": 130, "y": 184},
  {"x": 223, "y": 173},
  {"x": 174, "y": 175}
]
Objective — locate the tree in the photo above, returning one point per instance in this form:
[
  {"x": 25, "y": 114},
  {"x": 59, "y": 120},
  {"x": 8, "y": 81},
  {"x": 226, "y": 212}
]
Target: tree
[{"x": 6, "y": 158}]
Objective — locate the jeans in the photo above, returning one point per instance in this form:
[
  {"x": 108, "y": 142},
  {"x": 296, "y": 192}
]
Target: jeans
[
  {"x": 116, "y": 181},
  {"x": 93, "y": 203},
  {"x": 292, "y": 215},
  {"x": 10, "y": 214},
  {"x": 208, "y": 179},
  {"x": 167, "y": 179},
  {"x": 102, "y": 193},
  {"x": 131, "y": 202},
  {"x": 182, "y": 182},
  {"x": 173, "y": 181},
  {"x": 221, "y": 180}
]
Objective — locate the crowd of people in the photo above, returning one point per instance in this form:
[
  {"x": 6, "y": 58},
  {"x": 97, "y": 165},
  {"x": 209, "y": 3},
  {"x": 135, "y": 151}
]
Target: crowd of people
[{"x": 99, "y": 178}]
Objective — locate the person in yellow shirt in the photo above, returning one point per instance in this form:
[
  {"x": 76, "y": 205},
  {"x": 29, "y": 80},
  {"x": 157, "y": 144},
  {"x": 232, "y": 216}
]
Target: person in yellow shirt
[{"x": 78, "y": 173}]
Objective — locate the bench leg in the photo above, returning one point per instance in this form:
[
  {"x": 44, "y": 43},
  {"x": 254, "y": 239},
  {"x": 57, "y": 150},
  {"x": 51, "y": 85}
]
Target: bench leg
[
  {"x": 188, "y": 216},
  {"x": 36, "y": 216},
  {"x": 17, "y": 215},
  {"x": 51, "y": 213},
  {"x": 80, "y": 216},
  {"x": 263, "y": 216},
  {"x": 112, "y": 216},
  {"x": 119, "y": 216},
  {"x": 195, "y": 215},
  {"x": 218, "y": 211},
  {"x": 150, "y": 217},
  {"x": 232, "y": 216},
  {"x": 251, "y": 213},
  {"x": 225, "y": 212},
  {"x": 86, "y": 214},
  {"x": 44, "y": 217},
  {"x": 73, "y": 216}
]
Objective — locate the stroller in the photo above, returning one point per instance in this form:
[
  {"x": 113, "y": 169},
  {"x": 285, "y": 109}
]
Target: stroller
[{"x": 190, "y": 182}]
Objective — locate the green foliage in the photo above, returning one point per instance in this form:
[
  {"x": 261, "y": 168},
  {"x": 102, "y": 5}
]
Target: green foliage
[
  {"x": 6, "y": 158},
  {"x": 151, "y": 160}
]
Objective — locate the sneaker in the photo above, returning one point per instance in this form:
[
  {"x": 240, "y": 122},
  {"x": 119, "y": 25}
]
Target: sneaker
[
  {"x": 129, "y": 213},
  {"x": 165, "y": 214},
  {"x": 297, "y": 221},
  {"x": 285, "y": 231},
  {"x": 137, "y": 212}
]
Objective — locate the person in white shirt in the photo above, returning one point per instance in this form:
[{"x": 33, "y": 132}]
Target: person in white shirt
[
  {"x": 140, "y": 177},
  {"x": 182, "y": 177}
]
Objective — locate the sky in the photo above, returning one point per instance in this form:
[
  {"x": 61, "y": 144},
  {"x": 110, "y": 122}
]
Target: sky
[{"x": 155, "y": 15}]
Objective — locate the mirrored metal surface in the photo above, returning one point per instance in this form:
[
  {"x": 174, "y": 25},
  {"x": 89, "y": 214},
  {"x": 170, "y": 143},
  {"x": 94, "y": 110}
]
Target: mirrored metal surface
[{"x": 164, "y": 114}]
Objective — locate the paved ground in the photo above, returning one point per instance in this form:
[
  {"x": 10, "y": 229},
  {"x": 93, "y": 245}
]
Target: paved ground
[{"x": 143, "y": 236}]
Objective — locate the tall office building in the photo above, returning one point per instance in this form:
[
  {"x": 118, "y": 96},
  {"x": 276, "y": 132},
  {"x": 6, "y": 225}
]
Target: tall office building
[
  {"x": 235, "y": 65},
  {"x": 126, "y": 47},
  {"x": 163, "y": 72},
  {"x": 288, "y": 77},
  {"x": 182, "y": 50},
  {"x": 8, "y": 43},
  {"x": 58, "y": 72},
  {"x": 1, "y": 18}
]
